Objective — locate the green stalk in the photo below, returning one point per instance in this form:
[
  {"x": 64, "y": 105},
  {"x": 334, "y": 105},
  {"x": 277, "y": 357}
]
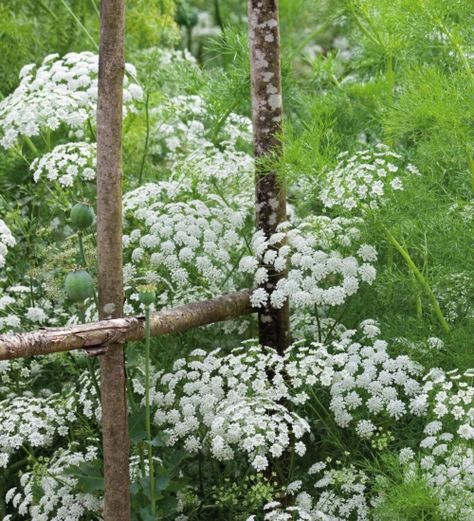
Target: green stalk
[
  {"x": 79, "y": 23},
  {"x": 420, "y": 277},
  {"x": 470, "y": 164},
  {"x": 147, "y": 138},
  {"x": 89, "y": 363},
  {"x": 81, "y": 249},
  {"x": 84, "y": 262},
  {"x": 94, "y": 6},
  {"x": 148, "y": 410},
  {"x": 31, "y": 145},
  {"x": 218, "y": 15},
  {"x": 189, "y": 33}
]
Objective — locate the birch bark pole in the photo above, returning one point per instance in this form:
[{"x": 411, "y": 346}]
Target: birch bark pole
[
  {"x": 97, "y": 336},
  {"x": 109, "y": 251},
  {"x": 270, "y": 197}
]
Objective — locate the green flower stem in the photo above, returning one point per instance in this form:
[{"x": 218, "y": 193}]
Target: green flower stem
[
  {"x": 218, "y": 15},
  {"x": 147, "y": 138},
  {"x": 94, "y": 6},
  {"x": 31, "y": 145},
  {"x": 89, "y": 363},
  {"x": 84, "y": 261},
  {"x": 421, "y": 279},
  {"x": 189, "y": 35},
  {"x": 81, "y": 249},
  {"x": 79, "y": 23},
  {"x": 418, "y": 303},
  {"x": 148, "y": 410}
]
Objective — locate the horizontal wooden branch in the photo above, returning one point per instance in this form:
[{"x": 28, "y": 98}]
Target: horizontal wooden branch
[{"x": 97, "y": 335}]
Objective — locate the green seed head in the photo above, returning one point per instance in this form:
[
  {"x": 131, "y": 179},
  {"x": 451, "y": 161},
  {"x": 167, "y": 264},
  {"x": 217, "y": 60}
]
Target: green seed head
[
  {"x": 82, "y": 216},
  {"x": 147, "y": 294},
  {"x": 79, "y": 286},
  {"x": 186, "y": 15}
]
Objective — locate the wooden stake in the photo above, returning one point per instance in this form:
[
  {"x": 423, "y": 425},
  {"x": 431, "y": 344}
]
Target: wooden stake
[
  {"x": 270, "y": 197},
  {"x": 121, "y": 330},
  {"x": 109, "y": 252}
]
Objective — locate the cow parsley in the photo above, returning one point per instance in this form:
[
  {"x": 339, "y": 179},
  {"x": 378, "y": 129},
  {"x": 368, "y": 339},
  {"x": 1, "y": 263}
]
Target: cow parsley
[
  {"x": 65, "y": 163},
  {"x": 61, "y": 91},
  {"x": 364, "y": 179},
  {"x": 315, "y": 276},
  {"x": 6, "y": 241}
]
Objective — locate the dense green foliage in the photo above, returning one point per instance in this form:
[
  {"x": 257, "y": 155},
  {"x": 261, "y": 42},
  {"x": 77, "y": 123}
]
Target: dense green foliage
[{"x": 356, "y": 73}]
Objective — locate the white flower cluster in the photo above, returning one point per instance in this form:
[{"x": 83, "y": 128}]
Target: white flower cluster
[
  {"x": 364, "y": 179},
  {"x": 225, "y": 173},
  {"x": 446, "y": 455},
  {"x": 226, "y": 404},
  {"x": 363, "y": 380},
  {"x": 342, "y": 497},
  {"x": 59, "y": 499},
  {"x": 33, "y": 420},
  {"x": 16, "y": 311},
  {"x": 166, "y": 57},
  {"x": 456, "y": 296},
  {"x": 6, "y": 241},
  {"x": 190, "y": 246},
  {"x": 60, "y": 91},
  {"x": 65, "y": 163},
  {"x": 183, "y": 126},
  {"x": 332, "y": 233},
  {"x": 315, "y": 277}
]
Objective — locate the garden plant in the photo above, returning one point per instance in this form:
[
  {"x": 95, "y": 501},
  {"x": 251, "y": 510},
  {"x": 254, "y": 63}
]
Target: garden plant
[{"x": 236, "y": 279}]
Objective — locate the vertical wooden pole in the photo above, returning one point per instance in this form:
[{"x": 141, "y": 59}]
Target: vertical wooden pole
[
  {"x": 109, "y": 251},
  {"x": 270, "y": 200}
]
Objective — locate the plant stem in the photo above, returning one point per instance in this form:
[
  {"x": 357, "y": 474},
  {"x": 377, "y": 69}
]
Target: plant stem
[
  {"x": 189, "y": 34},
  {"x": 94, "y": 6},
  {"x": 31, "y": 145},
  {"x": 147, "y": 138},
  {"x": 79, "y": 23},
  {"x": 89, "y": 363},
  {"x": 420, "y": 277},
  {"x": 148, "y": 411},
  {"x": 81, "y": 249},
  {"x": 217, "y": 14},
  {"x": 84, "y": 262}
]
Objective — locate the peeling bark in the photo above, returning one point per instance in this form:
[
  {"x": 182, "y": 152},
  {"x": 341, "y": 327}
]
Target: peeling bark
[
  {"x": 270, "y": 197},
  {"x": 121, "y": 330},
  {"x": 115, "y": 439}
]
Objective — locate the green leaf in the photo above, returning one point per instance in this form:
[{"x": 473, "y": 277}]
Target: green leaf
[
  {"x": 137, "y": 428},
  {"x": 89, "y": 476}
]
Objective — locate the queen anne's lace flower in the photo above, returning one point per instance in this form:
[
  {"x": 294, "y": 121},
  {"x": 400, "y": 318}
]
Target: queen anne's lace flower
[
  {"x": 60, "y": 91},
  {"x": 364, "y": 179},
  {"x": 314, "y": 277},
  {"x": 182, "y": 129},
  {"x": 176, "y": 244},
  {"x": 6, "y": 241},
  {"x": 60, "y": 498},
  {"x": 227, "y": 404},
  {"x": 65, "y": 163}
]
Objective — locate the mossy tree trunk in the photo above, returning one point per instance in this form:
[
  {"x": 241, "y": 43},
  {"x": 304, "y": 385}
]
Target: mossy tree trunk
[
  {"x": 270, "y": 200},
  {"x": 109, "y": 252}
]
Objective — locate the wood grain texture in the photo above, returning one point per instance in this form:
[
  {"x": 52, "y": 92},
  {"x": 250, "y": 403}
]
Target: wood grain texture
[
  {"x": 115, "y": 440},
  {"x": 121, "y": 330},
  {"x": 267, "y": 110}
]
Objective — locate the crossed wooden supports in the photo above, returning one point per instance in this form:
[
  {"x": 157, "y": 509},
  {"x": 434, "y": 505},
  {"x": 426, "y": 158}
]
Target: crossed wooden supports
[
  {"x": 95, "y": 337},
  {"x": 108, "y": 337}
]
